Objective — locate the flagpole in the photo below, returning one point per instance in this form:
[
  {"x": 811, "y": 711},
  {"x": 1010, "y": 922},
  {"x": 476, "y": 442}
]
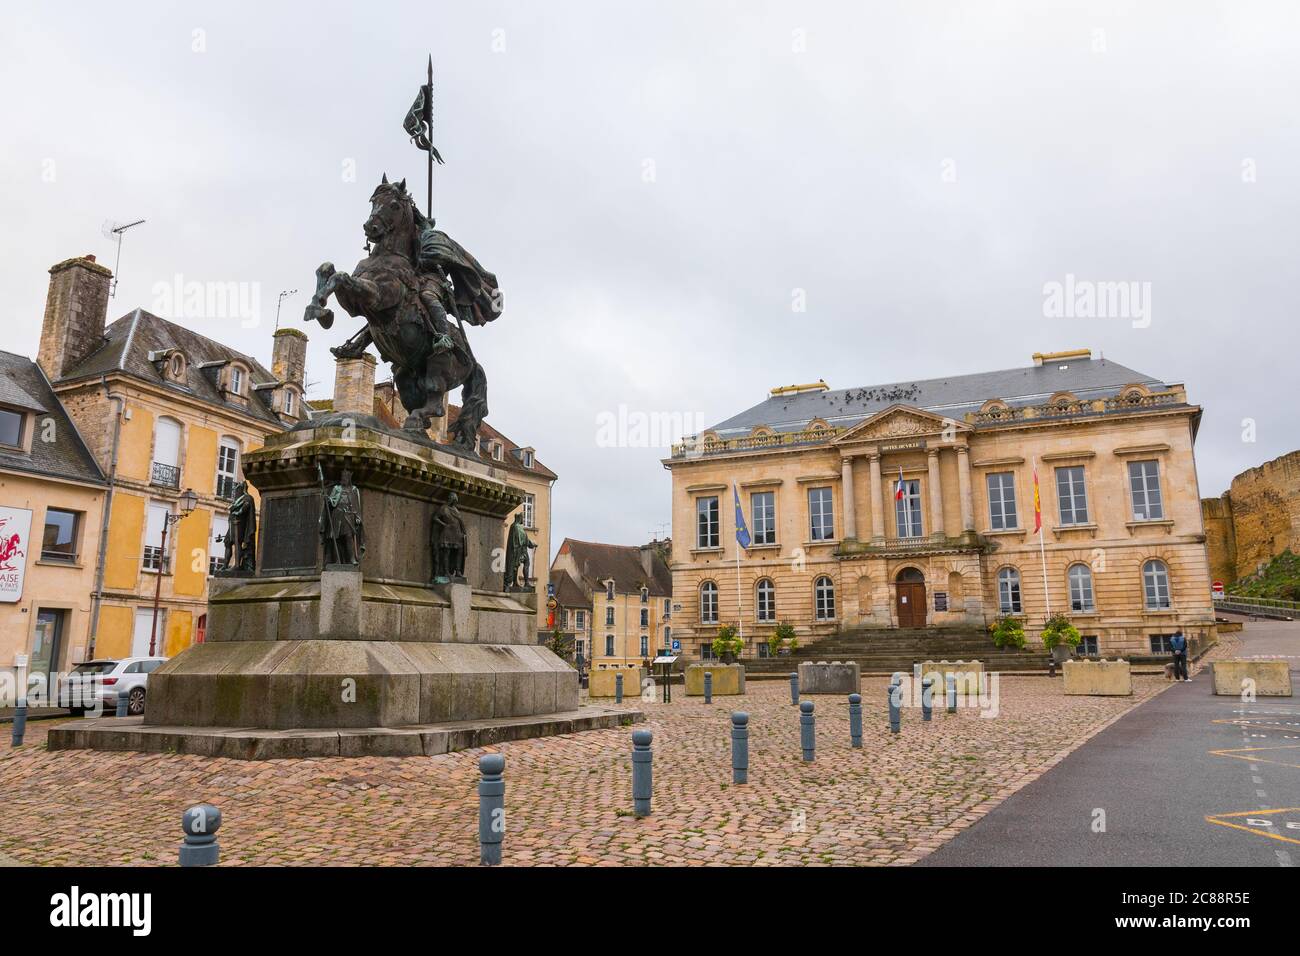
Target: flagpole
[
  {"x": 1042, "y": 550},
  {"x": 740, "y": 617},
  {"x": 428, "y": 113}
]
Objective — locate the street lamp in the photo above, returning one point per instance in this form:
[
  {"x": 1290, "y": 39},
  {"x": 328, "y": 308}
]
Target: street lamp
[{"x": 188, "y": 502}]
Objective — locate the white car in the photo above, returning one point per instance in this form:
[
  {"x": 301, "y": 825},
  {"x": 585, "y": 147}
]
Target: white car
[{"x": 97, "y": 684}]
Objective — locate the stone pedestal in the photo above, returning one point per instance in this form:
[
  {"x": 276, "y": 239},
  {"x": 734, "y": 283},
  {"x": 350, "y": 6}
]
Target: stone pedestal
[{"x": 355, "y": 657}]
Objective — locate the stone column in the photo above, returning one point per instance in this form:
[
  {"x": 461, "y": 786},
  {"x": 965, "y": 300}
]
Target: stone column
[
  {"x": 846, "y": 494},
  {"x": 963, "y": 480},
  {"x": 936, "y": 496},
  {"x": 877, "y": 496}
]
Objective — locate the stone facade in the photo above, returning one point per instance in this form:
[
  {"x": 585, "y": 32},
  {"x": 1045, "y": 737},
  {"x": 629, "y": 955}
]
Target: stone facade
[
  {"x": 845, "y": 554},
  {"x": 1255, "y": 520}
]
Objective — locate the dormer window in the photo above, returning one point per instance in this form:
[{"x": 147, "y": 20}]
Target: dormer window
[
  {"x": 498, "y": 450},
  {"x": 236, "y": 380},
  {"x": 177, "y": 367},
  {"x": 11, "y": 428},
  {"x": 528, "y": 459},
  {"x": 289, "y": 407}
]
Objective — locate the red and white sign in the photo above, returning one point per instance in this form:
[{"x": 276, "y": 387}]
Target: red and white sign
[
  {"x": 15, "y": 542},
  {"x": 1217, "y": 588}
]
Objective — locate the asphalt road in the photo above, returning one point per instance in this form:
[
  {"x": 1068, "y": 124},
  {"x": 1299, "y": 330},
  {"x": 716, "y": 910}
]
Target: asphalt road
[{"x": 1167, "y": 798}]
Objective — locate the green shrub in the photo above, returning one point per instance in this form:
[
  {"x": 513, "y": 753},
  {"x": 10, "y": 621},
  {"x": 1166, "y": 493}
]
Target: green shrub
[
  {"x": 784, "y": 634},
  {"x": 1008, "y": 631},
  {"x": 1059, "y": 630},
  {"x": 727, "y": 641}
]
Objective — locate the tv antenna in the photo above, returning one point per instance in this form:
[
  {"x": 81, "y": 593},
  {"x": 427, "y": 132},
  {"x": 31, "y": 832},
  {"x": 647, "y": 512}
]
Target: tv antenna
[
  {"x": 284, "y": 294},
  {"x": 113, "y": 230}
]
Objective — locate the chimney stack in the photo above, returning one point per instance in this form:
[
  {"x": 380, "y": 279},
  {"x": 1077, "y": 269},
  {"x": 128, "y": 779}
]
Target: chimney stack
[
  {"x": 289, "y": 356},
  {"x": 354, "y": 385},
  {"x": 76, "y": 311}
]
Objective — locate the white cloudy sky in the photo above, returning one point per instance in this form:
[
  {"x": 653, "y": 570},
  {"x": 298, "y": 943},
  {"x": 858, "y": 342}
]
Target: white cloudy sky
[{"x": 793, "y": 146}]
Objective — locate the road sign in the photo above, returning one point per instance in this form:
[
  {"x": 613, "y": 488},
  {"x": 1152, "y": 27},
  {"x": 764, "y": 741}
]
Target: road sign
[
  {"x": 551, "y": 604},
  {"x": 677, "y": 645},
  {"x": 1217, "y": 588},
  {"x": 550, "y": 590}
]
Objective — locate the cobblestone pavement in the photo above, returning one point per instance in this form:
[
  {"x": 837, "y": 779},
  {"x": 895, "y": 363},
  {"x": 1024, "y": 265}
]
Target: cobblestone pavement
[{"x": 568, "y": 798}]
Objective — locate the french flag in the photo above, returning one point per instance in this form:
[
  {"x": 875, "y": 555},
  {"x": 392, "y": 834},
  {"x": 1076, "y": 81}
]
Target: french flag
[{"x": 898, "y": 495}]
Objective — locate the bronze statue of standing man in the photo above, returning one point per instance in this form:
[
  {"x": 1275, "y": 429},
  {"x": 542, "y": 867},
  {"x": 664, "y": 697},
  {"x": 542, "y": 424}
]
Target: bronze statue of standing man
[
  {"x": 343, "y": 536},
  {"x": 518, "y": 544},
  {"x": 241, "y": 534},
  {"x": 447, "y": 542}
]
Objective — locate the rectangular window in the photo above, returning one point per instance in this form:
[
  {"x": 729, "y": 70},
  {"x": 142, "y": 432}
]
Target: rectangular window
[
  {"x": 609, "y": 617},
  {"x": 528, "y": 459},
  {"x": 217, "y": 546},
  {"x": 530, "y": 503},
  {"x": 153, "y": 537},
  {"x": 227, "y": 470},
  {"x": 11, "y": 428},
  {"x": 1002, "y": 501},
  {"x": 706, "y": 651},
  {"x": 1144, "y": 486},
  {"x": 645, "y": 617},
  {"x": 609, "y": 591},
  {"x": 62, "y": 534},
  {"x": 762, "y": 649},
  {"x": 237, "y": 381},
  {"x": 668, "y": 608},
  {"x": 580, "y": 650},
  {"x": 907, "y": 509},
  {"x": 706, "y": 522},
  {"x": 609, "y": 645},
  {"x": 762, "y": 506},
  {"x": 1087, "y": 646},
  {"x": 821, "y": 514},
  {"x": 580, "y": 620},
  {"x": 645, "y": 646},
  {"x": 1160, "y": 644},
  {"x": 1070, "y": 495}
]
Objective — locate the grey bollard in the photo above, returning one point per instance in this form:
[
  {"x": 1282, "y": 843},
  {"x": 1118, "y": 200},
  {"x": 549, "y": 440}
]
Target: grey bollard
[
  {"x": 618, "y": 688},
  {"x": 895, "y": 708},
  {"x": 855, "y": 720},
  {"x": 794, "y": 688},
  {"x": 200, "y": 848},
  {"x": 952, "y": 693},
  {"x": 642, "y": 772},
  {"x": 20, "y": 722},
  {"x": 491, "y": 808},
  {"x": 708, "y": 687},
  {"x": 927, "y": 699},
  {"x": 807, "y": 731},
  {"x": 121, "y": 705},
  {"x": 740, "y": 747}
]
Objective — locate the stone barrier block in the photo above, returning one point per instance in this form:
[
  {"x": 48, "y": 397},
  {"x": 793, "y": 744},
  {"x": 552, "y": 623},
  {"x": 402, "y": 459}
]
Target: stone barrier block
[
  {"x": 834, "y": 678},
  {"x": 1100, "y": 678},
  {"x": 601, "y": 683},
  {"x": 969, "y": 674},
  {"x": 728, "y": 679},
  {"x": 1271, "y": 678}
]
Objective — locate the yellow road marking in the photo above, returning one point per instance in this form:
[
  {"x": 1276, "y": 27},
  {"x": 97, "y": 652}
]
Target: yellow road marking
[
  {"x": 1254, "y": 813},
  {"x": 1238, "y": 754}
]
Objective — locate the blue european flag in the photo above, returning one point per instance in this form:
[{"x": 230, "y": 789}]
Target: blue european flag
[{"x": 742, "y": 532}]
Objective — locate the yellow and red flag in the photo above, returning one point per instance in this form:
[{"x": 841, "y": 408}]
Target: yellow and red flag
[{"x": 1038, "y": 504}]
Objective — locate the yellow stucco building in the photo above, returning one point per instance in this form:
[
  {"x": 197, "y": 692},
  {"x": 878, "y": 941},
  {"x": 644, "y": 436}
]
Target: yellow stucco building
[
  {"x": 911, "y": 506},
  {"x": 163, "y": 410}
]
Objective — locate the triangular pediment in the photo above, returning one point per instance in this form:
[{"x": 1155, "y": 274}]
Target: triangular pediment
[{"x": 900, "y": 421}]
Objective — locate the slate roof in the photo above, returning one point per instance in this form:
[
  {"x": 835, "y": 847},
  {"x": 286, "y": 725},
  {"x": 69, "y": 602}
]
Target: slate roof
[
  {"x": 953, "y": 396},
  {"x": 598, "y": 562},
  {"x": 129, "y": 340},
  {"x": 568, "y": 592},
  {"x": 23, "y": 385},
  {"x": 512, "y": 453}
]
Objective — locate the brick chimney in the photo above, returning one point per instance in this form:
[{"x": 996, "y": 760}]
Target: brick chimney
[
  {"x": 354, "y": 385},
  {"x": 289, "y": 355},
  {"x": 76, "y": 310}
]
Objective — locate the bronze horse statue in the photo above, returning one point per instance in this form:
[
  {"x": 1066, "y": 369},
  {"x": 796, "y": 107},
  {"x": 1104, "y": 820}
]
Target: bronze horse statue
[{"x": 412, "y": 279}]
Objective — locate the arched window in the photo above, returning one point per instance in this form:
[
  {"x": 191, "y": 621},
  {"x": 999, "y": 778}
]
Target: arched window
[
  {"x": 166, "y": 469},
  {"x": 1155, "y": 582},
  {"x": 766, "y": 600},
  {"x": 824, "y": 595},
  {"x": 1080, "y": 576},
  {"x": 708, "y": 603},
  {"x": 1009, "y": 591}
]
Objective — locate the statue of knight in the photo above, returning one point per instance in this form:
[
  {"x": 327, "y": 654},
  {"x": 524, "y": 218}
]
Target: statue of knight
[
  {"x": 343, "y": 536},
  {"x": 447, "y": 542},
  {"x": 241, "y": 534},
  {"x": 518, "y": 546}
]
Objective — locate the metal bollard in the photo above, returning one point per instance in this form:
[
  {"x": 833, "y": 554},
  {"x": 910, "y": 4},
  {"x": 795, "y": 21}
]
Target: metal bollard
[
  {"x": 618, "y": 688},
  {"x": 807, "y": 731},
  {"x": 121, "y": 704},
  {"x": 740, "y": 747},
  {"x": 642, "y": 772},
  {"x": 895, "y": 708},
  {"x": 952, "y": 693},
  {"x": 200, "y": 848},
  {"x": 794, "y": 688},
  {"x": 855, "y": 720},
  {"x": 20, "y": 722},
  {"x": 927, "y": 699},
  {"x": 491, "y": 808},
  {"x": 708, "y": 687}
]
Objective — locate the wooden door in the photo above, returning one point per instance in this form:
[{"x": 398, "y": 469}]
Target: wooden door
[{"x": 911, "y": 604}]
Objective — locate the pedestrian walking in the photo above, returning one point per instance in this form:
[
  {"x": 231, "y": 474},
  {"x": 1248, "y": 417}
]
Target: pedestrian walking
[{"x": 1178, "y": 645}]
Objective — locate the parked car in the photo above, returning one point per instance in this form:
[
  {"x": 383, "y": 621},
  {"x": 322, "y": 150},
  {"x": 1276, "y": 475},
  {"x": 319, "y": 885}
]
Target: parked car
[{"x": 101, "y": 681}]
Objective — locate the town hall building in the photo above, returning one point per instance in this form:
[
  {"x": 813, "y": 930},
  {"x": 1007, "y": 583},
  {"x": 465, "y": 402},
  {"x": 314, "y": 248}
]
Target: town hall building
[{"x": 911, "y": 505}]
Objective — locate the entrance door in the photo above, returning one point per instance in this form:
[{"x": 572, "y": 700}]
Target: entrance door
[
  {"x": 911, "y": 598},
  {"x": 46, "y": 641},
  {"x": 143, "y": 630}
]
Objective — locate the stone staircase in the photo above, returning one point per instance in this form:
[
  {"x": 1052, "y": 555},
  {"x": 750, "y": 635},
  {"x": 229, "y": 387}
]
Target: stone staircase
[{"x": 886, "y": 651}]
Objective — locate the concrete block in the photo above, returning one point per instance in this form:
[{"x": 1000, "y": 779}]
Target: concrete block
[
  {"x": 601, "y": 683},
  {"x": 1100, "y": 678},
  {"x": 1265, "y": 678},
  {"x": 340, "y": 605},
  {"x": 728, "y": 679},
  {"x": 834, "y": 678}
]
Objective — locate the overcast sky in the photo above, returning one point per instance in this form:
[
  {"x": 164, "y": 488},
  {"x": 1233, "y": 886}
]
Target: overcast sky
[{"x": 655, "y": 183}]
